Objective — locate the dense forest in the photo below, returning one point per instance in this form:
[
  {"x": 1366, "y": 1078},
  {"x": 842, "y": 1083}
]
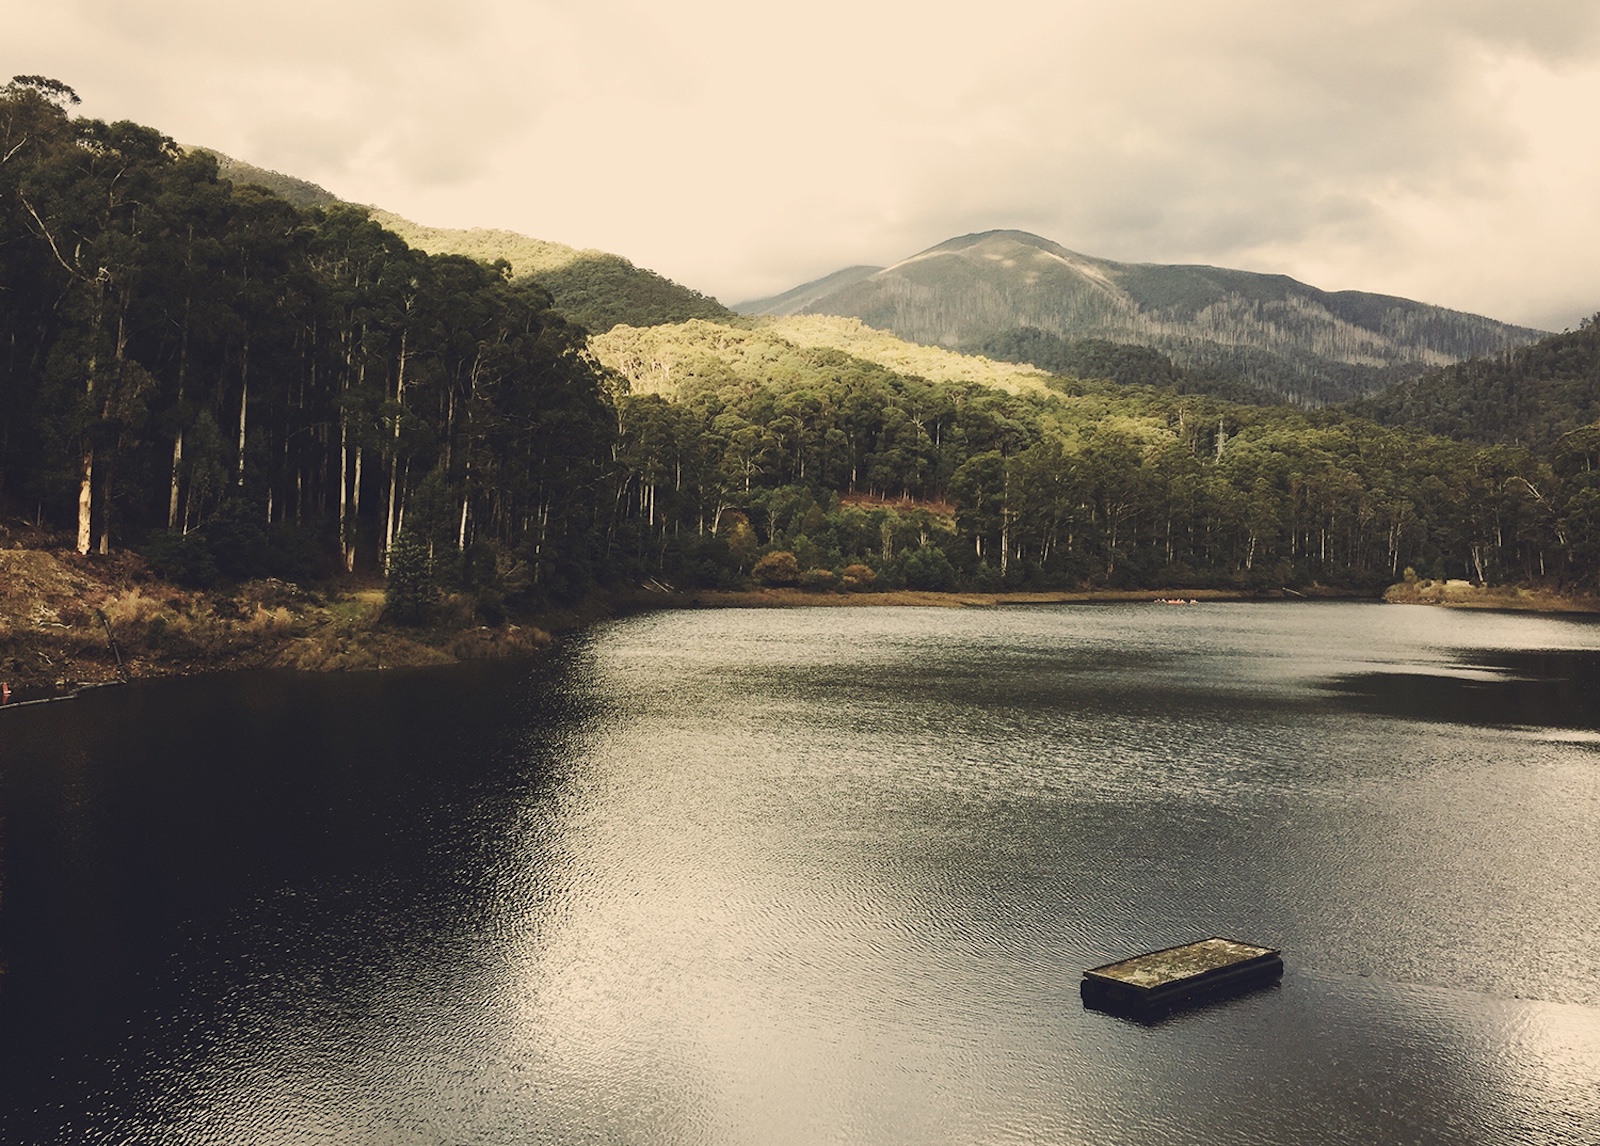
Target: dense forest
[
  {"x": 1534, "y": 395},
  {"x": 1007, "y": 479},
  {"x": 242, "y": 386},
  {"x": 238, "y": 386}
]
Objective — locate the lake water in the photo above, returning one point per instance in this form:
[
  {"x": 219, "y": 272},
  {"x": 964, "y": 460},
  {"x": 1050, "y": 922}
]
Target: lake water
[{"x": 821, "y": 876}]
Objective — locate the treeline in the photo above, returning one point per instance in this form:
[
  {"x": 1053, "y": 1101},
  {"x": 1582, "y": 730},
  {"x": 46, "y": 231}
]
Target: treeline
[{"x": 241, "y": 386}]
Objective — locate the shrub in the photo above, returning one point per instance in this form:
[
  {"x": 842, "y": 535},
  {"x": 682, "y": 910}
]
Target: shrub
[
  {"x": 409, "y": 592},
  {"x": 858, "y": 578},
  {"x": 929, "y": 569},
  {"x": 777, "y": 568},
  {"x": 818, "y": 579},
  {"x": 183, "y": 558}
]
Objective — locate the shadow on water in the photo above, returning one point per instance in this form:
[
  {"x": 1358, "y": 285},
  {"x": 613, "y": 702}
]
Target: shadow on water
[
  {"x": 1148, "y": 1017},
  {"x": 167, "y": 846},
  {"x": 1552, "y": 689}
]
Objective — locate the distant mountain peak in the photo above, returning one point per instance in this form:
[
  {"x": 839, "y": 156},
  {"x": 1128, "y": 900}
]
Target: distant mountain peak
[{"x": 1274, "y": 333}]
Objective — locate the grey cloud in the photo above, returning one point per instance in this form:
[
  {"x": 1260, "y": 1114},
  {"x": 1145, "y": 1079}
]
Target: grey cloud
[{"x": 742, "y": 148}]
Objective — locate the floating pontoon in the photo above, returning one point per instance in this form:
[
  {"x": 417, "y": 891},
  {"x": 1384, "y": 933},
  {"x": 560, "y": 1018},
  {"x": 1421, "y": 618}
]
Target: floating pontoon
[{"x": 1157, "y": 982}]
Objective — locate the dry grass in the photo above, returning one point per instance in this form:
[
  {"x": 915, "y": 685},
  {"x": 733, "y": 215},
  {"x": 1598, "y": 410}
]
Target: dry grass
[
  {"x": 1464, "y": 595},
  {"x": 51, "y": 635}
]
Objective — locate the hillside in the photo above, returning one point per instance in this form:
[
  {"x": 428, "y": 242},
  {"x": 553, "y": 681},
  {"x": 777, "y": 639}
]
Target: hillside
[
  {"x": 301, "y": 192},
  {"x": 595, "y": 289},
  {"x": 1279, "y": 335},
  {"x": 796, "y": 300},
  {"x": 1529, "y": 396},
  {"x": 297, "y": 395},
  {"x": 663, "y": 359}
]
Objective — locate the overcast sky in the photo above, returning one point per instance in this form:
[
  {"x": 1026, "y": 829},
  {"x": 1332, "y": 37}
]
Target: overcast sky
[{"x": 1440, "y": 149}]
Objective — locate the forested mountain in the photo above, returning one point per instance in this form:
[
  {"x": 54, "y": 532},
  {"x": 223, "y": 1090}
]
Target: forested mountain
[
  {"x": 795, "y": 301},
  {"x": 300, "y": 192},
  {"x": 658, "y": 360},
  {"x": 1012, "y": 294},
  {"x": 1023, "y": 479},
  {"x": 595, "y": 289},
  {"x": 592, "y": 288},
  {"x": 239, "y": 387},
  {"x": 1534, "y": 395}
]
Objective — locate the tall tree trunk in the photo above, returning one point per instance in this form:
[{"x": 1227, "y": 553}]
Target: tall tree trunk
[
  {"x": 394, "y": 461},
  {"x": 86, "y": 464},
  {"x": 104, "y": 544},
  {"x": 344, "y": 488},
  {"x": 85, "y": 497},
  {"x": 244, "y": 399},
  {"x": 177, "y": 439},
  {"x": 355, "y": 513}
]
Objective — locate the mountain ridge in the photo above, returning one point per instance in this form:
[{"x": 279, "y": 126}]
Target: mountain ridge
[{"x": 1285, "y": 337}]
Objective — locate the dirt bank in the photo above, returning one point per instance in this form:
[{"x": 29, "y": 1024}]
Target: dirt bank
[{"x": 67, "y": 621}]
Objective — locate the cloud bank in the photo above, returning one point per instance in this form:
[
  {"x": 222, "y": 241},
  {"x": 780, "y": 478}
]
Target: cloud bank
[{"x": 1433, "y": 148}]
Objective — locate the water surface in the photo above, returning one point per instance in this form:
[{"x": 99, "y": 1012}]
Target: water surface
[{"x": 821, "y": 875}]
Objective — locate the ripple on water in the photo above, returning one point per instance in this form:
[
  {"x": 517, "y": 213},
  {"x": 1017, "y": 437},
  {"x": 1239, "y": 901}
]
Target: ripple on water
[{"x": 788, "y": 877}]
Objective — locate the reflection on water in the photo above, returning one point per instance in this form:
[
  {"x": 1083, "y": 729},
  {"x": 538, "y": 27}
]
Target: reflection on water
[
  {"x": 770, "y": 877},
  {"x": 1547, "y": 689}
]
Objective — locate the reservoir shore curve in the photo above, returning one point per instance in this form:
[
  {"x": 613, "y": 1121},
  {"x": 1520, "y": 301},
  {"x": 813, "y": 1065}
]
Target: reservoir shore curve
[{"x": 54, "y": 641}]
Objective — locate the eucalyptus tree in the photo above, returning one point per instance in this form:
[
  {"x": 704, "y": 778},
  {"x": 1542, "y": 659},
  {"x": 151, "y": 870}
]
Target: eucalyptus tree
[{"x": 87, "y": 191}]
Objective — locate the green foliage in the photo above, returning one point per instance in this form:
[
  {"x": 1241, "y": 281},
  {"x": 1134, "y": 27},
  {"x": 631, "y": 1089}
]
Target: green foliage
[
  {"x": 594, "y": 289},
  {"x": 185, "y": 559},
  {"x": 819, "y": 580},
  {"x": 257, "y": 388},
  {"x": 236, "y": 544},
  {"x": 300, "y": 192},
  {"x": 1083, "y": 357},
  {"x": 248, "y": 389},
  {"x": 928, "y": 568},
  {"x": 1532, "y": 396},
  {"x": 842, "y": 461},
  {"x": 409, "y": 592}
]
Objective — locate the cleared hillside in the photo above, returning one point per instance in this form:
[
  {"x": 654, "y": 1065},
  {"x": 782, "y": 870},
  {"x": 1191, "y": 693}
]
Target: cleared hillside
[{"x": 1277, "y": 334}]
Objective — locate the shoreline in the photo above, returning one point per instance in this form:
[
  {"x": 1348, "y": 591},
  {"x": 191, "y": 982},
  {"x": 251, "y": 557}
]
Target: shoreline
[
  {"x": 959, "y": 599},
  {"x": 1500, "y": 598},
  {"x": 61, "y": 612}
]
